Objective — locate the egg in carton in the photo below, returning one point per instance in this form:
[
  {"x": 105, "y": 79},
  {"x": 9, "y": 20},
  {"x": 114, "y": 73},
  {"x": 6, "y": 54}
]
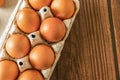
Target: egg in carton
[{"x": 34, "y": 37}]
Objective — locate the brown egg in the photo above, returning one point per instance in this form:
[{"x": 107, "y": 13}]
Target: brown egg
[
  {"x": 28, "y": 20},
  {"x": 63, "y": 8},
  {"x": 17, "y": 46},
  {"x": 38, "y": 4},
  {"x": 2, "y": 2},
  {"x": 8, "y": 70},
  {"x": 52, "y": 29},
  {"x": 31, "y": 75},
  {"x": 41, "y": 57}
]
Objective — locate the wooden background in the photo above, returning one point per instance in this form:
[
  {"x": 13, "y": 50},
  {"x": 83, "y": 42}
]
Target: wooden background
[{"x": 92, "y": 50}]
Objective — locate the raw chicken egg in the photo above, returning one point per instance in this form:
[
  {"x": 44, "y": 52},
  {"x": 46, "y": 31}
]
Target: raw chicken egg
[
  {"x": 63, "y": 8},
  {"x": 2, "y": 2},
  {"x": 38, "y": 4},
  {"x": 28, "y": 20},
  {"x": 8, "y": 70},
  {"x": 17, "y": 45},
  {"x": 31, "y": 75},
  {"x": 42, "y": 57},
  {"x": 52, "y": 29}
]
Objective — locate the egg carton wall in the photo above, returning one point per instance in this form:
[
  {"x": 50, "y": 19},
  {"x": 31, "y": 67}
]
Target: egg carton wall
[{"x": 34, "y": 37}]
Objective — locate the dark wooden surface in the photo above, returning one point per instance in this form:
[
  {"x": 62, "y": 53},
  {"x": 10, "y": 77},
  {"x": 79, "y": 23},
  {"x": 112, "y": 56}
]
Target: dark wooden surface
[{"x": 92, "y": 50}]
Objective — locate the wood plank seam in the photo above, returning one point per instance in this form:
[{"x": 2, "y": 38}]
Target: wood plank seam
[{"x": 113, "y": 39}]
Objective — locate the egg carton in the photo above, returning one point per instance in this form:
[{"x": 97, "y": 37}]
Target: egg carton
[{"x": 34, "y": 37}]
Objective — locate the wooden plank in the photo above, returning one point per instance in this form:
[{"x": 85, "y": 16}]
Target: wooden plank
[
  {"x": 115, "y": 5},
  {"x": 88, "y": 53}
]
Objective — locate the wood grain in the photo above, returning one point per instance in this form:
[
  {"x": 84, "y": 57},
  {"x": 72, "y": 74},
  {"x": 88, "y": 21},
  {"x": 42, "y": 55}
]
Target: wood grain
[
  {"x": 115, "y": 7},
  {"x": 90, "y": 50}
]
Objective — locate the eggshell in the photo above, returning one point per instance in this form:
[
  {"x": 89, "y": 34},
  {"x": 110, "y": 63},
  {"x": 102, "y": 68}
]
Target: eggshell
[
  {"x": 2, "y": 2},
  {"x": 31, "y": 75},
  {"x": 52, "y": 29},
  {"x": 17, "y": 45},
  {"x": 38, "y": 4},
  {"x": 42, "y": 57},
  {"x": 63, "y": 8},
  {"x": 8, "y": 70},
  {"x": 28, "y": 20}
]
